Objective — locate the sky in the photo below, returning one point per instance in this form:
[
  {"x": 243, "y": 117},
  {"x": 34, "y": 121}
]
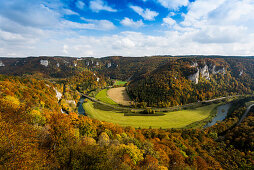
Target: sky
[{"x": 101, "y": 28}]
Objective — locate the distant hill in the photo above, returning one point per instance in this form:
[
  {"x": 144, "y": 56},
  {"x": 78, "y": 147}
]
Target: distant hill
[{"x": 187, "y": 80}]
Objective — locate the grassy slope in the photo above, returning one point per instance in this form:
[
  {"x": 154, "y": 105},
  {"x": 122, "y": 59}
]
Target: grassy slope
[
  {"x": 177, "y": 119},
  {"x": 119, "y": 82},
  {"x": 102, "y": 96}
]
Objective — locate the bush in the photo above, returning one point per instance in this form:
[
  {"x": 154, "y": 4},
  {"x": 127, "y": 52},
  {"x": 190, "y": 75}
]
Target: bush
[{"x": 148, "y": 111}]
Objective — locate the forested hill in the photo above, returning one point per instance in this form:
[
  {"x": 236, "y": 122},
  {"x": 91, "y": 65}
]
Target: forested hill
[
  {"x": 187, "y": 80},
  {"x": 115, "y": 67},
  {"x": 36, "y": 135}
]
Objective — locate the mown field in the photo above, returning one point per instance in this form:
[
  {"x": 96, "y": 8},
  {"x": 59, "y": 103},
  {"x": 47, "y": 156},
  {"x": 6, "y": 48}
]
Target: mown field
[
  {"x": 102, "y": 96},
  {"x": 119, "y": 95},
  {"x": 176, "y": 119}
]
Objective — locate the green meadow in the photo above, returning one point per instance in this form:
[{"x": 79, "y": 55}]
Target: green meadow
[
  {"x": 175, "y": 119},
  {"x": 119, "y": 82},
  {"x": 102, "y": 96}
]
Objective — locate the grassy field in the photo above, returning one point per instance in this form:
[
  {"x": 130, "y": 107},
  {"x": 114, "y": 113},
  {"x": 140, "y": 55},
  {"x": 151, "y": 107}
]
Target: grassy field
[
  {"x": 102, "y": 96},
  {"x": 119, "y": 82},
  {"x": 176, "y": 119}
]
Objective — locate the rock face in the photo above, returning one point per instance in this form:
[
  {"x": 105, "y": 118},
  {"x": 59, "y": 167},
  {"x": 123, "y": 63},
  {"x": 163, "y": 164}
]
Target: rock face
[
  {"x": 222, "y": 71},
  {"x": 205, "y": 72},
  {"x": 241, "y": 72},
  {"x": 1, "y": 64},
  {"x": 194, "y": 64},
  {"x": 44, "y": 63},
  {"x": 194, "y": 77}
]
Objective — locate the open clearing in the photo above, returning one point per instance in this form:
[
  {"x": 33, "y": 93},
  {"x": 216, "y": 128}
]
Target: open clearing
[
  {"x": 102, "y": 96},
  {"x": 176, "y": 119},
  {"x": 119, "y": 82},
  {"x": 119, "y": 95}
]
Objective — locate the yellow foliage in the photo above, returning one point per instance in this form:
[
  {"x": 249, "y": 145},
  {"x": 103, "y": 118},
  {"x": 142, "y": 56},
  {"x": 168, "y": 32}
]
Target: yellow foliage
[{"x": 11, "y": 101}]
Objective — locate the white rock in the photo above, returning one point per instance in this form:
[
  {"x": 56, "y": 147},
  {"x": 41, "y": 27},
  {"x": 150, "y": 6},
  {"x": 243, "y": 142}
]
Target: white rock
[
  {"x": 241, "y": 72},
  {"x": 194, "y": 64},
  {"x": 218, "y": 71},
  {"x": 58, "y": 65},
  {"x": 71, "y": 102},
  {"x": 1, "y": 64},
  {"x": 58, "y": 94},
  {"x": 97, "y": 63},
  {"x": 98, "y": 79},
  {"x": 109, "y": 65},
  {"x": 44, "y": 63},
  {"x": 194, "y": 77},
  {"x": 205, "y": 72}
]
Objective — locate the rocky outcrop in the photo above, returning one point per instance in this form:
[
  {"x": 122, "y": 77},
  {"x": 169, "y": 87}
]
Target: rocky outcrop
[
  {"x": 109, "y": 65},
  {"x": 58, "y": 65},
  {"x": 1, "y": 64},
  {"x": 241, "y": 72},
  {"x": 194, "y": 64},
  {"x": 222, "y": 70},
  {"x": 44, "y": 63},
  {"x": 205, "y": 72},
  {"x": 194, "y": 77}
]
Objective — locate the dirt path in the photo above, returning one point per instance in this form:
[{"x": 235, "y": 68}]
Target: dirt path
[{"x": 119, "y": 95}]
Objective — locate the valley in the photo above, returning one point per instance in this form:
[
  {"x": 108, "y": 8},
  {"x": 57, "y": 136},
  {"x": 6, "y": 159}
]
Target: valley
[{"x": 90, "y": 112}]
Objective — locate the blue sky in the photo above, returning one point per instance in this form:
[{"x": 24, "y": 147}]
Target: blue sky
[{"x": 126, "y": 27}]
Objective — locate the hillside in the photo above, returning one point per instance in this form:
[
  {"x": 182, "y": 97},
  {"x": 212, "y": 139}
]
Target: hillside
[
  {"x": 188, "y": 80},
  {"x": 35, "y": 134}
]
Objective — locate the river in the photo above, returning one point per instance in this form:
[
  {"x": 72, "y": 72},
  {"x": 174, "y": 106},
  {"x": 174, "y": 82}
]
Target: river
[
  {"x": 80, "y": 107},
  {"x": 222, "y": 111}
]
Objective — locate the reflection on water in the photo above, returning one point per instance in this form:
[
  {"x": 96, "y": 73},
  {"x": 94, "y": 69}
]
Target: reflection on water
[
  {"x": 80, "y": 107},
  {"x": 221, "y": 114}
]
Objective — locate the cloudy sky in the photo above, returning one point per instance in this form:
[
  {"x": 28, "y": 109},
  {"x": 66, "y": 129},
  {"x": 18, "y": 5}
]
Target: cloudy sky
[{"x": 126, "y": 27}]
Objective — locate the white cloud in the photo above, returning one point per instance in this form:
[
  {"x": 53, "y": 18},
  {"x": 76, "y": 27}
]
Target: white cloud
[
  {"x": 130, "y": 23},
  {"x": 223, "y": 27},
  {"x": 80, "y": 4},
  {"x": 168, "y": 21},
  {"x": 69, "y": 12},
  {"x": 147, "y": 14},
  {"x": 90, "y": 24},
  {"x": 220, "y": 21},
  {"x": 99, "y": 5},
  {"x": 173, "y": 4}
]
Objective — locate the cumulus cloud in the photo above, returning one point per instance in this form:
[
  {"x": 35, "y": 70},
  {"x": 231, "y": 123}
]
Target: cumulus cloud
[
  {"x": 90, "y": 24},
  {"x": 173, "y": 4},
  {"x": 223, "y": 27},
  {"x": 99, "y": 5},
  {"x": 80, "y": 4},
  {"x": 69, "y": 12},
  {"x": 130, "y": 23},
  {"x": 147, "y": 14},
  {"x": 220, "y": 21},
  {"x": 168, "y": 21}
]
